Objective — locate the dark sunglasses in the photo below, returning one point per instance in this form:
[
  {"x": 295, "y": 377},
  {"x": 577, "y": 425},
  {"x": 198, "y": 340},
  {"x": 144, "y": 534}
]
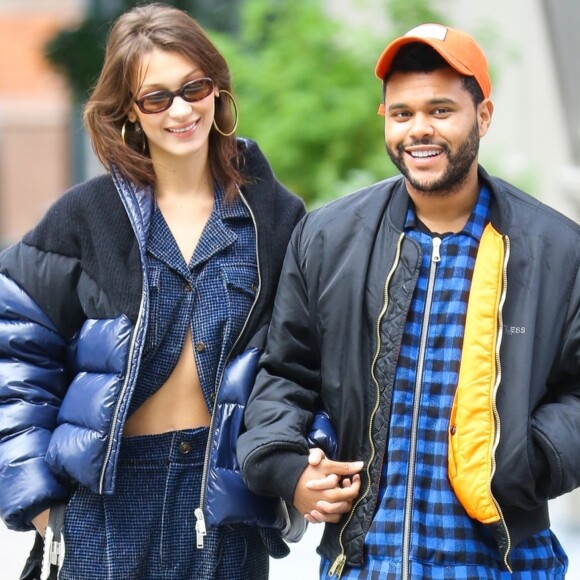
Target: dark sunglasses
[{"x": 160, "y": 101}]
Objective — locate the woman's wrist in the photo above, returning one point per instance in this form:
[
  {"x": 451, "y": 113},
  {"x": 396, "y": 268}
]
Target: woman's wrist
[{"x": 40, "y": 522}]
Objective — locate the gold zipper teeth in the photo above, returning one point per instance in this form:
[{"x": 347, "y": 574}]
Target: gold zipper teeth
[
  {"x": 495, "y": 410},
  {"x": 340, "y": 561}
]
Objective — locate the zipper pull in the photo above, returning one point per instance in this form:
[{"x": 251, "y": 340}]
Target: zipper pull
[
  {"x": 436, "y": 256},
  {"x": 47, "y": 553},
  {"x": 337, "y": 567},
  {"x": 200, "y": 530}
]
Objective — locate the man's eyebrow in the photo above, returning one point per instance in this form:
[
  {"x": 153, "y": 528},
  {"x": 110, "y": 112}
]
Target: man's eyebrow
[{"x": 431, "y": 103}]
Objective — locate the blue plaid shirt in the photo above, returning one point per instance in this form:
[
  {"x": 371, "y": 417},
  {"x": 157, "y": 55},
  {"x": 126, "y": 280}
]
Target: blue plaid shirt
[
  {"x": 212, "y": 295},
  {"x": 418, "y": 514}
]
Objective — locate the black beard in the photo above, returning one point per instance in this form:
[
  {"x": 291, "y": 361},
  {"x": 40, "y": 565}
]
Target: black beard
[{"x": 457, "y": 170}]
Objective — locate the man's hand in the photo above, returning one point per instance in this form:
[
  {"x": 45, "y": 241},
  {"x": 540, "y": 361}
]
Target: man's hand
[{"x": 326, "y": 489}]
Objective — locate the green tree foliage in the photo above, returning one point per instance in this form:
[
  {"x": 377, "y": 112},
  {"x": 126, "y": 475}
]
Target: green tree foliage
[
  {"x": 405, "y": 14},
  {"x": 308, "y": 93},
  {"x": 307, "y": 97},
  {"x": 78, "y": 52}
]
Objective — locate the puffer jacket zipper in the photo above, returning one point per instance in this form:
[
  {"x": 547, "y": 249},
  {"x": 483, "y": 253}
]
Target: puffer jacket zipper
[
  {"x": 128, "y": 199},
  {"x": 409, "y": 495},
  {"x": 129, "y": 380},
  {"x": 55, "y": 548},
  {"x": 495, "y": 411},
  {"x": 200, "y": 527},
  {"x": 340, "y": 561}
]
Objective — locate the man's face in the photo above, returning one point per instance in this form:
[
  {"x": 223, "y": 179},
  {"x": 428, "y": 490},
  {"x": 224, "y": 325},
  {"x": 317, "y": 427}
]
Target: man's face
[{"x": 432, "y": 130}]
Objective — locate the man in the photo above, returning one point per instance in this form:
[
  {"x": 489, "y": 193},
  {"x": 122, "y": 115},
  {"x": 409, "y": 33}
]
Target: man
[{"x": 436, "y": 317}]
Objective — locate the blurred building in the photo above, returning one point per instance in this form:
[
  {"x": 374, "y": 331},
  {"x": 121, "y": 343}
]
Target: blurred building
[
  {"x": 534, "y": 140},
  {"x": 34, "y": 113}
]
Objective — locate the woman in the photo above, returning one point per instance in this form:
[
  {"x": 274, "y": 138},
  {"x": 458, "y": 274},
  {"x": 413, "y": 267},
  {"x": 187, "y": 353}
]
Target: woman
[{"x": 120, "y": 311}]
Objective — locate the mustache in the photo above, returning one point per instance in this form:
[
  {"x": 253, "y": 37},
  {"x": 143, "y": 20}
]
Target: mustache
[{"x": 425, "y": 141}]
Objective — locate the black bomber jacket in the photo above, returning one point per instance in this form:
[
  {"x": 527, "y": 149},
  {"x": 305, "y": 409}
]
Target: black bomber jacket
[{"x": 339, "y": 315}]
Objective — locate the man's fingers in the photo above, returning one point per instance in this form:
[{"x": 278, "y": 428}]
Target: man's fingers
[
  {"x": 317, "y": 517},
  {"x": 328, "y": 482},
  {"x": 354, "y": 486},
  {"x": 338, "y": 507},
  {"x": 340, "y": 494},
  {"x": 341, "y": 467},
  {"x": 315, "y": 456}
]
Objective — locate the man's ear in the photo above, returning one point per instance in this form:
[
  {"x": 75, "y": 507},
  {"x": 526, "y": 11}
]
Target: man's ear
[{"x": 484, "y": 115}]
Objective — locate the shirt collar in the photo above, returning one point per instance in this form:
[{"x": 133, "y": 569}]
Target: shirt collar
[
  {"x": 216, "y": 235},
  {"x": 475, "y": 224}
]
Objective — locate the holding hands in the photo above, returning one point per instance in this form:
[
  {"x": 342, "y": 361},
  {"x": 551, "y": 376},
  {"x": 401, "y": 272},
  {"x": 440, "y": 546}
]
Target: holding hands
[{"x": 326, "y": 489}]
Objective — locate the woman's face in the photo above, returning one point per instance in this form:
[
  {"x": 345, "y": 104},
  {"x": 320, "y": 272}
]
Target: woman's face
[{"x": 183, "y": 129}]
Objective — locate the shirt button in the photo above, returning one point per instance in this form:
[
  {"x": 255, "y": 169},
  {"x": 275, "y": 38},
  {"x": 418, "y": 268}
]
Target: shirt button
[
  {"x": 254, "y": 288},
  {"x": 453, "y": 429},
  {"x": 184, "y": 447},
  {"x": 200, "y": 346},
  {"x": 187, "y": 287}
]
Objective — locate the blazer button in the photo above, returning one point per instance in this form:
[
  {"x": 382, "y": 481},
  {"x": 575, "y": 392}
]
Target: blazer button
[
  {"x": 187, "y": 287},
  {"x": 200, "y": 346}
]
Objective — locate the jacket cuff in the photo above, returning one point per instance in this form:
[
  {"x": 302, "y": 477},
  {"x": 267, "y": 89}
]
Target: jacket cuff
[{"x": 275, "y": 474}]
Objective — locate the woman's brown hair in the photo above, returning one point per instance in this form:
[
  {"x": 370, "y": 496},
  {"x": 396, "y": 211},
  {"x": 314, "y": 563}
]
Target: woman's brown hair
[{"x": 134, "y": 35}]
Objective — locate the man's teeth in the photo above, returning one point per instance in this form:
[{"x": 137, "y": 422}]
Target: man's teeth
[{"x": 423, "y": 154}]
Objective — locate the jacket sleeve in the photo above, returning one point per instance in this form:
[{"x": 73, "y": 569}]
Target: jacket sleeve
[
  {"x": 556, "y": 423},
  {"x": 32, "y": 384},
  {"x": 273, "y": 450}
]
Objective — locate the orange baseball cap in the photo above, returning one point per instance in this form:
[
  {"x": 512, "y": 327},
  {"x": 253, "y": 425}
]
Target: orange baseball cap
[{"x": 458, "y": 49}]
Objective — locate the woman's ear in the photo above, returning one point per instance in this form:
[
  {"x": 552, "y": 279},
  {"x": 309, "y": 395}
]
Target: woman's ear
[{"x": 132, "y": 116}]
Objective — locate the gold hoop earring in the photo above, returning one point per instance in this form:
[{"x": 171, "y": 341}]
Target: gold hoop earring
[
  {"x": 123, "y": 132},
  {"x": 137, "y": 130},
  {"x": 235, "y": 105}
]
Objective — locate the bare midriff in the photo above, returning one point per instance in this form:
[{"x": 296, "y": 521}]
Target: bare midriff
[{"x": 177, "y": 405}]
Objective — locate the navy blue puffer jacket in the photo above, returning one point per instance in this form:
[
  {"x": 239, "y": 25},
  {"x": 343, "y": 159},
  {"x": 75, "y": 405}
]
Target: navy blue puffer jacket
[{"x": 73, "y": 316}]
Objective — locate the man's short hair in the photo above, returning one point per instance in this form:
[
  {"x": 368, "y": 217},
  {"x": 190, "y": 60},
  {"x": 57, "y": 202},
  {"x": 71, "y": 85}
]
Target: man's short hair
[{"x": 419, "y": 57}]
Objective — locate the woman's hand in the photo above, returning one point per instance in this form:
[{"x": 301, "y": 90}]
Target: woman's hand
[{"x": 40, "y": 522}]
